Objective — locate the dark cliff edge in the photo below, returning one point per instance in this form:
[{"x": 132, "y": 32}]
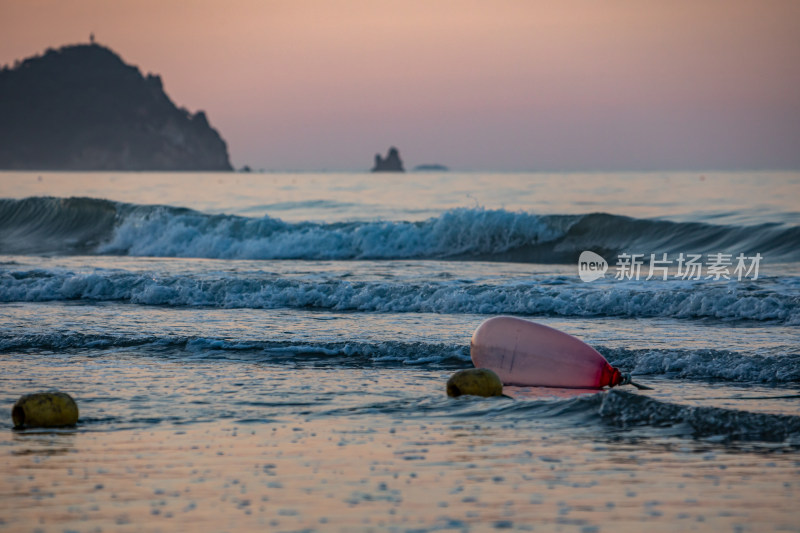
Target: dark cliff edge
[{"x": 82, "y": 108}]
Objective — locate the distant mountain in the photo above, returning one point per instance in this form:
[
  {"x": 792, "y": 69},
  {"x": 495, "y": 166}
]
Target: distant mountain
[{"x": 82, "y": 108}]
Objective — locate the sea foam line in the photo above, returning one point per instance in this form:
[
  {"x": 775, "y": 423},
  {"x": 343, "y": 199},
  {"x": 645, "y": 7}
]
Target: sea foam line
[{"x": 673, "y": 299}]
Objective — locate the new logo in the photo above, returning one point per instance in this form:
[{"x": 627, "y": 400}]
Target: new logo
[{"x": 591, "y": 266}]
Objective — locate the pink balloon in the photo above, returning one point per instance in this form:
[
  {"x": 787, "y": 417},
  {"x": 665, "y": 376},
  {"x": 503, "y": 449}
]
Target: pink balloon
[{"x": 529, "y": 354}]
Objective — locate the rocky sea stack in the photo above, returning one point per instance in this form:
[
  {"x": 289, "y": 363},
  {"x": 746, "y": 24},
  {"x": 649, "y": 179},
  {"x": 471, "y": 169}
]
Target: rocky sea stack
[
  {"x": 82, "y": 108},
  {"x": 391, "y": 163}
]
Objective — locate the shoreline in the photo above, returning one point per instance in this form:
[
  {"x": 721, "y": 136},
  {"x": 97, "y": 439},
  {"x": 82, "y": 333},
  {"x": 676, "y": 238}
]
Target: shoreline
[{"x": 364, "y": 467}]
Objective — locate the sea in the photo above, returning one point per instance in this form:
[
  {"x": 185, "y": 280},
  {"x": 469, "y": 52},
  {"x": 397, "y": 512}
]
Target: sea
[{"x": 292, "y": 306}]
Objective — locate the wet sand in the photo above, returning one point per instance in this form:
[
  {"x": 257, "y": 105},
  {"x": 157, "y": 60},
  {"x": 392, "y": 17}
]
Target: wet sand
[{"x": 375, "y": 473}]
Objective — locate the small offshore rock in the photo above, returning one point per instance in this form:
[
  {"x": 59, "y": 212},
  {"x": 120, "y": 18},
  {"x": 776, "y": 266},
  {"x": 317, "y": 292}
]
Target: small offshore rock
[{"x": 391, "y": 163}]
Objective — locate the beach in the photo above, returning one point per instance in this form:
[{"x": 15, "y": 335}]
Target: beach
[
  {"x": 386, "y": 462},
  {"x": 270, "y": 352}
]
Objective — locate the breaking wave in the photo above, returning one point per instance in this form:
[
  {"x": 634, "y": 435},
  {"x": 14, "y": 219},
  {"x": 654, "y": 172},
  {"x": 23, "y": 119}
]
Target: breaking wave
[
  {"x": 46, "y": 225},
  {"x": 733, "y": 301}
]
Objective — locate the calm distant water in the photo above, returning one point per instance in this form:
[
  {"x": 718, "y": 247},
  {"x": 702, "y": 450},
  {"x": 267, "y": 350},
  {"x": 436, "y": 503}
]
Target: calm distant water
[
  {"x": 744, "y": 198},
  {"x": 280, "y": 297}
]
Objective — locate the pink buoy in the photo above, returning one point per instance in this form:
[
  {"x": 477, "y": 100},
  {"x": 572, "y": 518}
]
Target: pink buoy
[{"x": 525, "y": 353}]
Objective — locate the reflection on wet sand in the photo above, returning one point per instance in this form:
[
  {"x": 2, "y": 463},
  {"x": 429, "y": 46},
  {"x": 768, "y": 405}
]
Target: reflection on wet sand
[
  {"x": 359, "y": 473},
  {"x": 43, "y": 442}
]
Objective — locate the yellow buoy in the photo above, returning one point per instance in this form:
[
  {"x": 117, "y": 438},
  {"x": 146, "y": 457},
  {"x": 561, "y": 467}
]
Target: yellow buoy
[
  {"x": 475, "y": 382},
  {"x": 45, "y": 410}
]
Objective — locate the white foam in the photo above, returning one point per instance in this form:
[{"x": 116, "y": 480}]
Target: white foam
[
  {"x": 165, "y": 233},
  {"x": 673, "y": 300}
]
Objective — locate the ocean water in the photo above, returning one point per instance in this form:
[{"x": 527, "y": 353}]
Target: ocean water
[{"x": 326, "y": 311}]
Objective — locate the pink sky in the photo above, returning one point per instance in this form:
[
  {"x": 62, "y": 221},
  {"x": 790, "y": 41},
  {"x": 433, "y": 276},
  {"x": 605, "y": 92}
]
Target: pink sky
[{"x": 476, "y": 85}]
